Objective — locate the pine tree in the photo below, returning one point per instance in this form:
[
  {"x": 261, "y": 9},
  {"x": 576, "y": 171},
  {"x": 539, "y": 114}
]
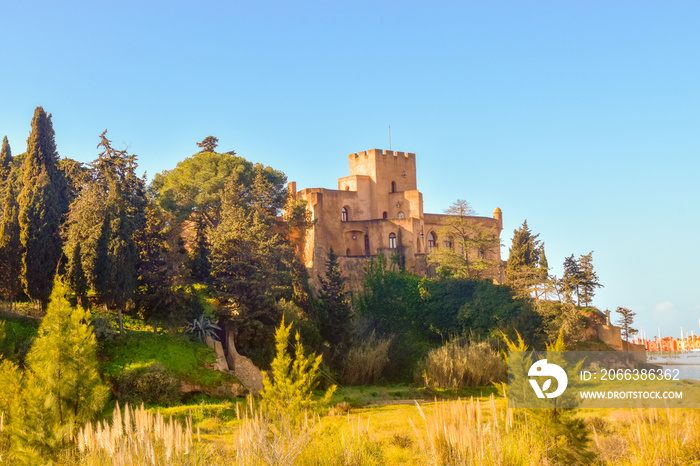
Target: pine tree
[
  {"x": 5, "y": 160},
  {"x": 42, "y": 204},
  {"x": 580, "y": 279},
  {"x": 588, "y": 279},
  {"x": 625, "y": 322},
  {"x": 209, "y": 144},
  {"x": 527, "y": 268},
  {"x": 63, "y": 389},
  {"x": 10, "y": 247},
  {"x": 571, "y": 281}
]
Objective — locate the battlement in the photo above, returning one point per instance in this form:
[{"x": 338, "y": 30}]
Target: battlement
[{"x": 373, "y": 153}]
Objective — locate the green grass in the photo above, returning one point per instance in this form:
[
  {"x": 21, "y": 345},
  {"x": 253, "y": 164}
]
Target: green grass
[
  {"x": 358, "y": 396},
  {"x": 16, "y": 335},
  {"x": 185, "y": 358}
]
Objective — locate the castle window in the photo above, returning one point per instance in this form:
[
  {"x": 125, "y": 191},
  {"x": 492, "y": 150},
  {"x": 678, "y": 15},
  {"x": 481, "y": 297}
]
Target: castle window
[
  {"x": 432, "y": 241},
  {"x": 384, "y": 215},
  {"x": 347, "y": 253},
  {"x": 366, "y": 245},
  {"x": 344, "y": 214},
  {"x": 401, "y": 215},
  {"x": 392, "y": 240},
  {"x": 448, "y": 244},
  {"x": 347, "y": 188},
  {"x": 393, "y": 186},
  {"x": 482, "y": 254}
]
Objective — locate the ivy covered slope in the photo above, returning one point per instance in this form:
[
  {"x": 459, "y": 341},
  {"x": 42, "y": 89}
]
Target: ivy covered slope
[{"x": 187, "y": 360}]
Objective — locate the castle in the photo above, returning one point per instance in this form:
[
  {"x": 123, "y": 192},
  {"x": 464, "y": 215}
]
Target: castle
[{"x": 378, "y": 210}]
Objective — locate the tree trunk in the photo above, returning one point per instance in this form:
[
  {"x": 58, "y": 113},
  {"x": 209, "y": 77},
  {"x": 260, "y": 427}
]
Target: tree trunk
[{"x": 121, "y": 321}]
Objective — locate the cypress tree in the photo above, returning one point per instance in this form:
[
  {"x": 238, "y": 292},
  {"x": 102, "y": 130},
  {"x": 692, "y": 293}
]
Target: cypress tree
[
  {"x": 41, "y": 205},
  {"x": 105, "y": 218},
  {"x": 76, "y": 276},
  {"x": 335, "y": 310},
  {"x": 10, "y": 247},
  {"x": 5, "y": 160}
]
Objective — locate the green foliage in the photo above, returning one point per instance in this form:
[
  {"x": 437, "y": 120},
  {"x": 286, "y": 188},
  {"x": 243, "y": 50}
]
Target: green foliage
[
  {"x": 579, "y": 279},
  {"x": 251, "y": 268},
  {"x": 63, "y": 388},
  {"x": 198, "y": 184},
  {"x": 76, "y": 276},
  {"x": 459, "y": 364},
  {"x": 5, "y": 160},
  {"x": 153, "y": 385},
  {"x": 10, "y": 247},
  {"x": 527, "y": 271},
  {"x": 334, "y": 311},
  {"x": 289, "y": 391},
  {"x": 41, "y": 205},
  {"x": 199, "y": 255},
  {"x": 625, "y": 322},
  {"x": 186, "y": 359},
  {"x": 366, "y": 360},
  {"x": 564, "y": 435},
  {"x": 203, "y": 328},
  {"x": 425, "y": 312},
  {"x": 473, "y": 244},
  {"x": 208, "y": 144},
  {"x": 105, "y": 219},
  {"x": 16, "y": 337},
  {"x": 562, "y": 319}
]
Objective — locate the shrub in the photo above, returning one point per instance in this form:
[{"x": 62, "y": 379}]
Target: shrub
[
  {"x": 153, "y": 385},
  {"x": 366, "y": 360},
  {"x": 102, "y": 325},
  {"x": 458, "y": 365}
]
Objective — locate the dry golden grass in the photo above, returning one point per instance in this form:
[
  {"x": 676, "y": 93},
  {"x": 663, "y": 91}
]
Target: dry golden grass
[
  {"x": 135, "y": 437},
  {"x": 473, "y": 433}
]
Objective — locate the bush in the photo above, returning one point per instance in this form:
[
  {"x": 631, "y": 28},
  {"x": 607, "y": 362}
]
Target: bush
[
  {"x": 366, "y": 360},
  {"x": 102, "y": 325},
  {"x": 152, "y": 385},
  {"x": 458, "y": 365}
]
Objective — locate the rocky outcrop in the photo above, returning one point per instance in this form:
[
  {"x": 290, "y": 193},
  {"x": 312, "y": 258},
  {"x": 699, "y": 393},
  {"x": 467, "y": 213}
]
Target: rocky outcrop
[
  {"x": 243, "y": 368},
  {"x": 232, "y": 362}
]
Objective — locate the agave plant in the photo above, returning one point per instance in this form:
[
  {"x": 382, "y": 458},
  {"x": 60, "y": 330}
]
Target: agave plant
[{"x": 203, "y": 327}]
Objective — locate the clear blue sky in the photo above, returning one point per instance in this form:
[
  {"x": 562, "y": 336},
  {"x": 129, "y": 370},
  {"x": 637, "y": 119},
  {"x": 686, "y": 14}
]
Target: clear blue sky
[{"x": 581, "y": 117}]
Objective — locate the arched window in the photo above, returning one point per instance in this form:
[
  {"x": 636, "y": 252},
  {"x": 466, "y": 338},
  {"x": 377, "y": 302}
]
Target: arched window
[
  {"x": 392, "y": 240},
  {"x": 366, "y": 245},
  {"x": 401, "y": 215},
  {"x": 344, "y": 214},
  {"x": 384, "y": 215},
  {"x": 347, "y": 253},
  {"x": 393, "y": 186},
  {"x": 481, "y": 253},
  {"x": 448, "y": 244},
  {"x": 432, "y": 241},
  {"x": 347, "y": 188}
]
